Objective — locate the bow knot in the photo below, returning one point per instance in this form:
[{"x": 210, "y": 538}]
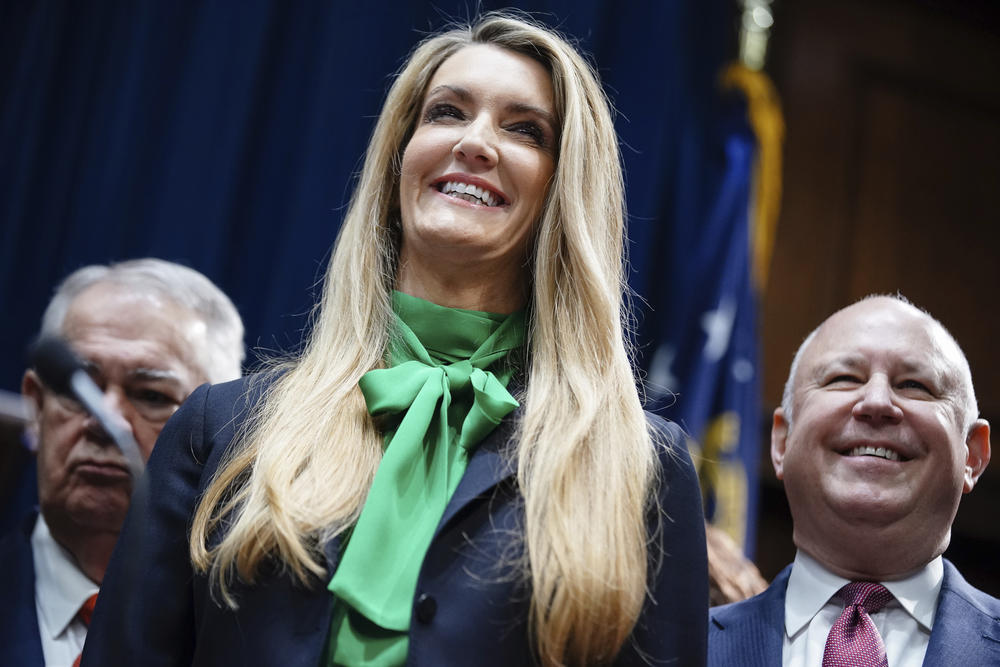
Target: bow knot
[
  {"x": 414, "y": 390},
  {"x": 445, "y": 390}
]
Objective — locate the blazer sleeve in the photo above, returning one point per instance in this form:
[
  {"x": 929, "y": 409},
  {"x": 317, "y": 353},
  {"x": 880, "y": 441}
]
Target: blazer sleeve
[
  {"x": 673, "y": 627},
  {"x": 145, "y": 614}
]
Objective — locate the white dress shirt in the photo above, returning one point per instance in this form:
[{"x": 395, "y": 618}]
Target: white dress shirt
[
  {"x": 60, "y": 590},
  {"x": 811, "y": 610}
]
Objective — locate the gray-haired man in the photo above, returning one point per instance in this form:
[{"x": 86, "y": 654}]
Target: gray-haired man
[{"x": 148, "y": 332}]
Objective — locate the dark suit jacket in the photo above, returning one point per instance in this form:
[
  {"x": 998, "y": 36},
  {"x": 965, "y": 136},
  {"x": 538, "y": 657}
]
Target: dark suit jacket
[
  {"x": 20, "y": 641},
  {"x": 966, "y": 627},
  {"x": 154, "y": 610}
]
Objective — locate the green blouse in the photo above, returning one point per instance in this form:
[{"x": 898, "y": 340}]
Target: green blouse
[{"x": 444, "y": 391}]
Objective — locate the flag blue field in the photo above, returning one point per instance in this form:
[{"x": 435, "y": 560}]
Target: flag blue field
[{"x": 703, "y": 369}]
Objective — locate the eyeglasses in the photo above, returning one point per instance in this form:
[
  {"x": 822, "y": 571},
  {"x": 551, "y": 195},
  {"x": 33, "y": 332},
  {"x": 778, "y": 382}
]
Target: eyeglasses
[{"x": 152, "y": 405}]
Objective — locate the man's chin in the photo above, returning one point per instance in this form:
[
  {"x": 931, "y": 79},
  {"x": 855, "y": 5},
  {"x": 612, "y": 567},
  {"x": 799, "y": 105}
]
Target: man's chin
[{"x": 102, "y": 511}]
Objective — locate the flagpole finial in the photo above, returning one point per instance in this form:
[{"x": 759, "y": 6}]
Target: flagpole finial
[{"x": 754, "y": 32}]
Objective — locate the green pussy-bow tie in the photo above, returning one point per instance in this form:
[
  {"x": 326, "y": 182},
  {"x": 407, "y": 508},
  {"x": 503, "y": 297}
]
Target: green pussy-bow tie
[{"x": 447, "y": 385}]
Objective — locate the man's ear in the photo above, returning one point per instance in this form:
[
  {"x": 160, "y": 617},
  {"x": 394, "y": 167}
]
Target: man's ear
[
  {"x": 779, "y": 436},
  {"x": 33, "y": 390},
  {"x": 34, "y": 393},
  {"x": 977, "y": 446}
]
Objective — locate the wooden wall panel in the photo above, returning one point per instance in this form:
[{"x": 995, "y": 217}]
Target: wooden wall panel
[{"x": 892, "y": 177}]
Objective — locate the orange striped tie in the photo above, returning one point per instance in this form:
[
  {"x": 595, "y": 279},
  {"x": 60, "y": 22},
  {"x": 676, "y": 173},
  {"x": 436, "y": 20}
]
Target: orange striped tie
[{"x": 85, "y": 613}]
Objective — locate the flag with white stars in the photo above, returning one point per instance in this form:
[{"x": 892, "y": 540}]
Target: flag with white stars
[{"x": 701, "y": 352}]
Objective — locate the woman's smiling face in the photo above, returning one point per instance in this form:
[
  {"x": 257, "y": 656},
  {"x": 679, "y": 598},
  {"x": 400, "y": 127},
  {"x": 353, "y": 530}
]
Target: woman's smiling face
[{"x": 476, "y": 171}]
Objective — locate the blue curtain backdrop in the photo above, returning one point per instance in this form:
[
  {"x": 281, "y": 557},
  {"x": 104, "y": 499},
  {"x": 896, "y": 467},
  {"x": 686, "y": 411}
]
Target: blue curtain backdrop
[{"x": 225, "y": 135}]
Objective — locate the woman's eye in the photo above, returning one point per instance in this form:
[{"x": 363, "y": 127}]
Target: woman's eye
[
  {"x": 530, "y": 130},
  {"x": 443, "y": 111}
]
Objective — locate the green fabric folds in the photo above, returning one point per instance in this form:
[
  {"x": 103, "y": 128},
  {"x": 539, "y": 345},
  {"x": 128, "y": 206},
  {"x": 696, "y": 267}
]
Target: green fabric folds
[{"x": 445, "y": 391}]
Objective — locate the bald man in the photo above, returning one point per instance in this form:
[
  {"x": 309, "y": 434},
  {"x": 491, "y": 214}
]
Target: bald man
[{"x": 877, "y": 439}]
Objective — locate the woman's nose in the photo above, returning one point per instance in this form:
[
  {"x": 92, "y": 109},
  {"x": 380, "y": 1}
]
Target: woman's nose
[{"x": 477, "y": 145}]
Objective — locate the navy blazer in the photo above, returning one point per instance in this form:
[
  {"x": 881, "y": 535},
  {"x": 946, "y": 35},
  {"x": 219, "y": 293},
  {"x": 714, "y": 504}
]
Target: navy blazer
[
  {"x": 20, "y": 640},
  {"x": 966, "y": 627},
  {"x": 468, "y": 608}
]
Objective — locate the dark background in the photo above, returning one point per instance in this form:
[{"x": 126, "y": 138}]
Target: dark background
[{"x": 225, "y": 135}]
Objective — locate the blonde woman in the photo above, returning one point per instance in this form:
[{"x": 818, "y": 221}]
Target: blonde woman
[{"x": 457, "y": 469}]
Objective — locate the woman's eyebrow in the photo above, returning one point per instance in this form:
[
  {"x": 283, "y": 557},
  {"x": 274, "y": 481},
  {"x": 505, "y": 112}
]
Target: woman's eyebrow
[
  {"x": 522, "y": 107},
  {"x": 460, "y": 92}
]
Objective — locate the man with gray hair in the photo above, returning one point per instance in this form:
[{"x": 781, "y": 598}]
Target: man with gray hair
[
  {"x": 148, "y": 332},
  {"x": 877, "y": 439}
]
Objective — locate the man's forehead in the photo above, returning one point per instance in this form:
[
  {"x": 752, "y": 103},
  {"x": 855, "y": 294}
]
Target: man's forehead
[
  {"x": 884, "y": 329},
  {"x": 140, "y": 332},
  {"x": 906, "y": 359},
  {"x": 107, "y": 305}
]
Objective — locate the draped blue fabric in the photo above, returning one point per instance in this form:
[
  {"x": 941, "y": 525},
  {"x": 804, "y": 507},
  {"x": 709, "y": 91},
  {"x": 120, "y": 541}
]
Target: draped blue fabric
[
  {"x": 703, "y": 357},
  {"x": 225, "y": 135}
]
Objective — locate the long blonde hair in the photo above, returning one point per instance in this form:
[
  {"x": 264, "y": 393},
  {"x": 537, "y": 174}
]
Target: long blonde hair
[{"x": 586, "y": 464}]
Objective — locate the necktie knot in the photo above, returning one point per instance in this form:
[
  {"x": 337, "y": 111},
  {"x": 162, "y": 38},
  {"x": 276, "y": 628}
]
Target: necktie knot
[
  {"x": 868, "y": 595},
  {"x": 854, "y": 641},
  {"x": 87, "y": 609},
  {"x": 85, "y": 613}
]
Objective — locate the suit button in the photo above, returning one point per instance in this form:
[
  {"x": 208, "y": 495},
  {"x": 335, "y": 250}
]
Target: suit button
[{"x": 426, "y": 608}]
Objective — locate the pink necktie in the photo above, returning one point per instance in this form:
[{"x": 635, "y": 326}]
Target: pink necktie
[
  {"x": 854, "y": 640},
  {"x": 85, "y": 613}
]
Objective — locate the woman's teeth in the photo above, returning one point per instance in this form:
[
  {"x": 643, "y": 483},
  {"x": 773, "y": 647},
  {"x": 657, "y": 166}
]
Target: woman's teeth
[{"x": 470, "y": 193}]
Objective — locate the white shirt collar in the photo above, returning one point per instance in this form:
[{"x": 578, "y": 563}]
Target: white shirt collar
[
  {"x": 810, "y": 587},
  {"x": 61, "y": 587},
  {"x": 918, "y": 593}
]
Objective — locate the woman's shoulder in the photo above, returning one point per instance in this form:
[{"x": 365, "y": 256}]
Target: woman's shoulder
[
  {"x": 678, "y": 477},
  {"x": 225, "y": 404},
  {"x": 664, "y": 431},
  {"x": 237, "y": 395},
  {"x": 673, "y": 627},
  {"x": 670, "y": 441},
  {"x": 210, "y": 417}
]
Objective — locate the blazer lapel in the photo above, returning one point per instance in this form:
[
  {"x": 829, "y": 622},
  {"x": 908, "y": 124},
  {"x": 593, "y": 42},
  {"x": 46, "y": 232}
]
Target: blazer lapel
[
  {"x": 750, "y": 633},
  {"x": 332, "y": 552},
  {"x": 963, "y": 627},
  {"x": 20, "y": 640},
  {"x": 488, "y": 466}
]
